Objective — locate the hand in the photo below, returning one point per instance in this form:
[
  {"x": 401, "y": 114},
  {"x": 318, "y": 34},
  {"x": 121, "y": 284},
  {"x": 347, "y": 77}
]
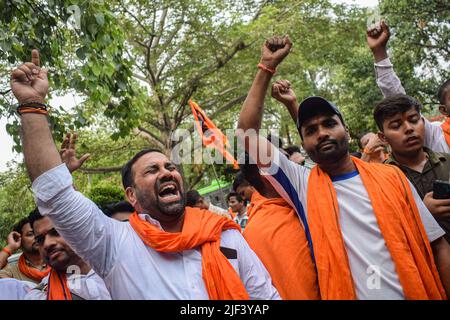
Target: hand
[
  {"x": 374, "y": 145},
  {"x": 281, "y": 91},
  {"x": 68, "y": 153},
  {"x": 14, "y": 241},
  {"x": 275, "y": 50},
  {"x": 438, "y": 207},
  {"x": 377, "y": 39},
  {"x": 29, "y": 82}
]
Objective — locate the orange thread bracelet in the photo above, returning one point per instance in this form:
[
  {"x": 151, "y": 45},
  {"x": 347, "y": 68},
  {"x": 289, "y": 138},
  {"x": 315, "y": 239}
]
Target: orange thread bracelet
[
  {"x": 266, "y": 68},
  {"x": 33, "y": 110},
  {"x": 5, "y": 249}
]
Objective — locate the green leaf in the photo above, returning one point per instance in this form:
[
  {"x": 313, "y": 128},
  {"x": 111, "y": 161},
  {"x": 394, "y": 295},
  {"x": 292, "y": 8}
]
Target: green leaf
[{"x": 100, "y": 18}]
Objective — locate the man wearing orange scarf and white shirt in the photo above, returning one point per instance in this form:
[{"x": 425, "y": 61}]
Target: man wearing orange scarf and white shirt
[
  {"x": 69, "y": 278},
  {"x": 370, "y": 231},
  {"x": 30, "y": 266},
  {"x": 166, "y": 251}
]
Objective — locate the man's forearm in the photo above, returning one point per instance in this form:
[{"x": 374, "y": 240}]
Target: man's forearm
[
  {"x": 39, "y": 148},
  {"x": 252, "y": 110},
  {"x": 441, "y": 251},
  {"x": 379, "y": 54}
]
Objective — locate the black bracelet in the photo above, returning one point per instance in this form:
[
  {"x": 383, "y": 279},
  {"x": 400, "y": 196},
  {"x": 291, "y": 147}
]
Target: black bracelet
[{"x": 36, "y": 104}]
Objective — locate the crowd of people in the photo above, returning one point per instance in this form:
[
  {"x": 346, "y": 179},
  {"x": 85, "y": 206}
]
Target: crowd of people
[{"x": 366, "y": 225}]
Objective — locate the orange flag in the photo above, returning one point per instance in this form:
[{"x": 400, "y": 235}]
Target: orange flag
[{"x": 211, "y": 135}]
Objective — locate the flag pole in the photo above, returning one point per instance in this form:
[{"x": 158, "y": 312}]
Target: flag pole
[{"x": 218, "y": 182}]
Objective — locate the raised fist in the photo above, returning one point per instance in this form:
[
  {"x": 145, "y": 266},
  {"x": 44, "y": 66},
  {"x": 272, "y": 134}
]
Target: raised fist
[
  {"x": 281, "y": 91},
  {"x": 275, "y": 50},
  {"x": 29, "y": 82},
  {"x": 14, "y": 240},
  {"x": 378, "y": 36}
]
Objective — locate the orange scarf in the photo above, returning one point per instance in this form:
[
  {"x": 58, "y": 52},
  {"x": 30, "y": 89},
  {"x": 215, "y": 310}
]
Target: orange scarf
[
  {"x": 446, "y": 129},
  {"x": 275, "y": 234},
  {"x": 57, "y": 286},
  {"x": 31, "y": 272},
  {"x": 400, "y": 225},
  {"x": 200, "y": 228}
]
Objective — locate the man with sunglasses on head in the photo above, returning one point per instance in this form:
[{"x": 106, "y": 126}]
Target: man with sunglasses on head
[{"x": 70, "y": 277}]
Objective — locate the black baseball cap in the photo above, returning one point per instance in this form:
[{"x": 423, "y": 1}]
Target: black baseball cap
[{"x": 313, "y": 106}]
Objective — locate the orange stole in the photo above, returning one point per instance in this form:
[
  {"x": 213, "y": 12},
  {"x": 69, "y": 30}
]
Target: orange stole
[
  {"x": 31, "y": 272},
  {"x": 200, "y": 228},
  {"x": 400, "y": 224},
  {"x": 57, "y": 286},
  {"x": 446, "y": 129},
  {"x": 278, "y": 238}
]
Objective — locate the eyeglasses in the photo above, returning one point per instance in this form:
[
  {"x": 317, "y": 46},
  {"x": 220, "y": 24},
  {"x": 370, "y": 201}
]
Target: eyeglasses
[{"x": 41, "y": 238}]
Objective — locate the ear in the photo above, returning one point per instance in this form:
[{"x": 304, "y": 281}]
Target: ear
[
  {"x": 443, "y": 110},
  {"x": 382, "y": 136},
  {"x": 131, "y": 197}
]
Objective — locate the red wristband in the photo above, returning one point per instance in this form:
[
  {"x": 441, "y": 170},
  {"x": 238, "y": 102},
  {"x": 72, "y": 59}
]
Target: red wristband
[
  {"x": 266, "y": 68},
  {"x": 5, "y": 249}
]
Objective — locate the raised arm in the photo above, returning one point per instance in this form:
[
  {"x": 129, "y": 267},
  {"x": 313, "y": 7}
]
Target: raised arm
[
  {"x": 85, "y": 228},
  {"x": 14, "y": 240},
  {"x": 273, "y": 52},
  {"x": 29, "y": 84},
  {"x": 282, "y": 92},
  {"x": 387, "y": 80}
]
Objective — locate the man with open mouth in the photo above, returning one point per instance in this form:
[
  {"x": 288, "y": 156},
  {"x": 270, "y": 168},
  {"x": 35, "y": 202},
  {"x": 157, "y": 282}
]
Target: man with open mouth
[{"x": 167, "y": 250}]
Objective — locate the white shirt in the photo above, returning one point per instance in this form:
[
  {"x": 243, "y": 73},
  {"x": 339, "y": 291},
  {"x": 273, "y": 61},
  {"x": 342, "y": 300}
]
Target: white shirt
[
  {"x": 390, "y": 84},
  {"x": 13, "y": 289},
  {"x": 130, "y": 269},
  {"x": 365, "y": 246},
  {"x": 219, "y": 211},
  {"x": 86, "y": 286}
]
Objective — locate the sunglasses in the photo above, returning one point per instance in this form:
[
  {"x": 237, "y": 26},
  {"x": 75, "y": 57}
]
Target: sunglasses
[{"x": 41, "y": 238}]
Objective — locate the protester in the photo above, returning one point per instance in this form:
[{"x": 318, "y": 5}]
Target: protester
[
  {"x": 295, "y": 155},
  {"x": 277, "y": 236},
  {"x": 237, "y": 205},
  {"x": 31, "y": 266},
  {"x": 365, "y": 220},
  {"x": 437, "y": 137},
  {"x": 400, "y": 124},
  {"x": 120, "y": 211},
  {"x": 195, "y": 200},
  {"x": 372, "y": 148},
  {"x": 167, "y": 251},
  {"x": 70, "y": 278}
]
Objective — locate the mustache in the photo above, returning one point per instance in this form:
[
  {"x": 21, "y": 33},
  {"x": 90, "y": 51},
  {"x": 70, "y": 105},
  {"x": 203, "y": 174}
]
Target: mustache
[
  {"x": 166, "y": 179},
  {"x": 329, "y": 140}
]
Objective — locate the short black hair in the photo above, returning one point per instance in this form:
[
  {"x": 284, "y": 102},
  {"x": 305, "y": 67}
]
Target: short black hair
[
  {"x": 234, "y": 194},
  {"x": 392, "y": 105},
  {"x": 192, "y": 196},
  {"x": 443, "y": 89},
  {"x": 115, "y": 207},
  {"x": 19, "y": 225},
  {"x": 127, "y": 172},
  {"x": 240, "y": 180},
  {"x": 34, "y": 216}
]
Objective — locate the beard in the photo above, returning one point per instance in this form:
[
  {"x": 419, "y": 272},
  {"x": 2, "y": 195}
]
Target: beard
[
  {"x": 152, "y": 204},
  {"x": 338, "y": 150}
]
